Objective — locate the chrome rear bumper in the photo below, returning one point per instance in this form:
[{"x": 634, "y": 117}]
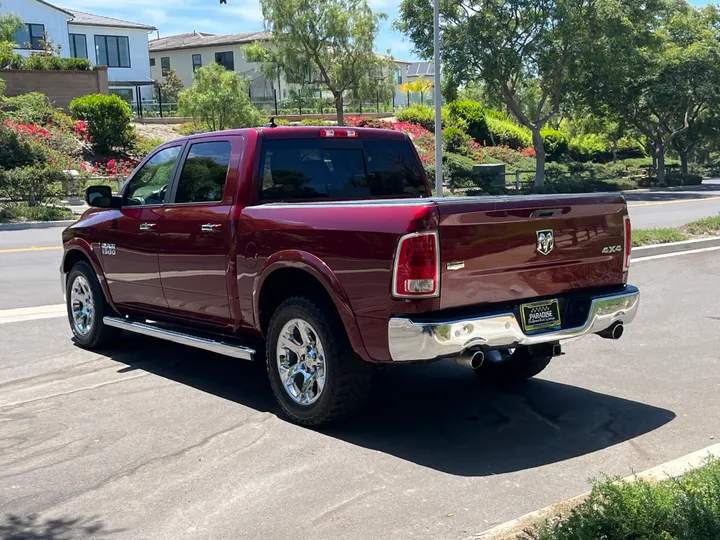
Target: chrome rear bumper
[{"x": 412, "y": 341}]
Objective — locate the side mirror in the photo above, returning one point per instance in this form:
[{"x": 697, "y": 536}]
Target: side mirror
[{"x": 102, "y": 197}]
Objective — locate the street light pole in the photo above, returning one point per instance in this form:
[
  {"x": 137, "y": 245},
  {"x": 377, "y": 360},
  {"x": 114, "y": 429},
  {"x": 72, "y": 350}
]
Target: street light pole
[{"x": 438, "y": 106}]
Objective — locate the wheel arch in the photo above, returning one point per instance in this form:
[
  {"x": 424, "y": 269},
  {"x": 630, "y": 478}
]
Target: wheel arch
[
  {"x": 77, "y": 250},
  {"x": 299, "y": 273}
]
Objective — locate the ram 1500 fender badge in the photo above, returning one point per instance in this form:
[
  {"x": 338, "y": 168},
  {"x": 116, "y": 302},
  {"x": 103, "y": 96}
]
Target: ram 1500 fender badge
[
  {"x": 545, "y": 241},
  {"x": 108, "y": 249}
]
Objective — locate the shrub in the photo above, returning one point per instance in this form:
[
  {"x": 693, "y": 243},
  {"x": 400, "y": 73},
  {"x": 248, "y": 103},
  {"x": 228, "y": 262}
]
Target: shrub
[
  {"x": 366, "y": 121},
  {"x": 109, "y": 121},
  {"x": 23, "y": 212},
  {"x": 313, "y": 122},
  {"x": 506, "y": 133},
  {"x": 555, "y": 142},
  {"x": 219, "y": 98},
  {"x": 192, "y": 128},
  {"x": 16, "y": 152},
  {"x": 143, "y": 146},
  {"x": 677, "y": 178},
  {"x": 55, "y": 63},
  {"x": 32, "y": 108},
  {"x": 455, "y": 140},
  {"x": 31, "y": 184},
  {"x": 473, "y": 114},
  {"x": 684, "y": 508},
  {"x": 424, "y": 116}
]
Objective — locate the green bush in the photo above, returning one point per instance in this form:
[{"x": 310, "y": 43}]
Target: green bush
[
  {"x": 506, "y": 133},
  {"x": 597, "y": 147},
  {"x": 454, "y": 140},
  {"x": 555, "y": 142},
  {"x": 685, "y": 508},
  {"x": 474, "y": 116},
  {"x": 421, "y": 115},
  {"x": 15, "y": 152},
  {"x": 144, "y": 145},
  {"x": 31, "y": 184},
  {"x": 313, "y": 122},
  {"x": 23, "y": 212},
  {"x": 32, "y": 108},
  {"x": 677, "y": 178},
  {"x": 109, "y": 121},
  {"x": 424, "y": 116},
  {"x": 55, "y": 63}
]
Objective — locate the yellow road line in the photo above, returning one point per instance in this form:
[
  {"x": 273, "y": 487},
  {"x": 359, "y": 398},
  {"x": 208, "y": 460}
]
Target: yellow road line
[
  {"x": 673, "y": 202},
  {"x": 33, "y": 248}
]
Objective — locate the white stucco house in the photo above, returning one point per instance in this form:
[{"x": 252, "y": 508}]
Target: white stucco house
[
  {"x": 184, "y": 53},
  {"x": 120, "y": 45}
]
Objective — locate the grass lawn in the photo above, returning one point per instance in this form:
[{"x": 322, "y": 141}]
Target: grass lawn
[
  {"x": 702, "y": 227},
  {"x": 685, "y": 508}
]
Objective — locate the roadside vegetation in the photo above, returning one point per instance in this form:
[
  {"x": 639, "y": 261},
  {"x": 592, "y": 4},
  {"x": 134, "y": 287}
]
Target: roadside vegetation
[
  {"x": 697, "y": 229},
  {"x": 685, "y": 508}
]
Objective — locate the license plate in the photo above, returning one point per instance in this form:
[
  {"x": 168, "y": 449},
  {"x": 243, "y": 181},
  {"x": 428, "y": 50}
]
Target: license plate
[{"x": 540, "y": 315}]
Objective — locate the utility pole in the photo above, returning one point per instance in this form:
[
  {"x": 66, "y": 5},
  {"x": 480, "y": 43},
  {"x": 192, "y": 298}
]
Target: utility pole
[{"x": 438, "y": 106}]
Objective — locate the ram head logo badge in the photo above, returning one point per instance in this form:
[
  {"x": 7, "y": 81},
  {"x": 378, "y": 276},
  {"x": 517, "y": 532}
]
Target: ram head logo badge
[{"x": 545, "y": 241}]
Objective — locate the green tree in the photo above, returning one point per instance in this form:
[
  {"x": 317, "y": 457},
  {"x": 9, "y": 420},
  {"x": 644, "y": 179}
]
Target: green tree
[
  {"x": 219, "y": 99},
  {"x": 10, "y": 23},
  {"x": 656, "y": 68},
  {"x": 172, "y": 86},
  {"x": 328, "y": 43},
  {"x": 517, "y": 50}
]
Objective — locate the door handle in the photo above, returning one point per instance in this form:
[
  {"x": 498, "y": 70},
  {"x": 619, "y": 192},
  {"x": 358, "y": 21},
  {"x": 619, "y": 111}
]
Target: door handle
[
  {"x": 147, "y": 226},
  {"x": 211, "y": 227}
]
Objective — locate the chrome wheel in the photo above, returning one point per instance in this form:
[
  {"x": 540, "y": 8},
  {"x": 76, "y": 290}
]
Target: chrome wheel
[
  {"x": 82, "y": 306},
  {"x": 301, "y": 362}
]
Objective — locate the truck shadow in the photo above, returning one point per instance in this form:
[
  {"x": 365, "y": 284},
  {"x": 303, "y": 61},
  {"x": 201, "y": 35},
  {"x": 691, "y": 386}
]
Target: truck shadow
[{"x": 439, "y": 416}]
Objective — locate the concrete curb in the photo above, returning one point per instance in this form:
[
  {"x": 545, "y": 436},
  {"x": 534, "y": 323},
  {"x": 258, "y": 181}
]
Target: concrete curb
[
  {"x": 34, "y": 225},
  {"x": 675, "y": 247},
  {"x": 671, "y": 469}
]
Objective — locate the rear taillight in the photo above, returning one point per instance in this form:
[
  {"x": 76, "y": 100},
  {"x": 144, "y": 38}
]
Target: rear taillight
[
  {"x": 416, "y": 273},
  {"x": 339, "y": 133},
  {"x": 628, "y": 243}
]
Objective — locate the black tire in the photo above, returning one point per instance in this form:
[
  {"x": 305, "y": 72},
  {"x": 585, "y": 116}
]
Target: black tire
[
  {"x": 522, "y": 364},
  {"x": 98, "y": 335},
  {"x": 347, "y": 377}
]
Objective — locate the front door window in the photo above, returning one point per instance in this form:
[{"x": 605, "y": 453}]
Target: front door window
[{"x": 149, "y": 185}]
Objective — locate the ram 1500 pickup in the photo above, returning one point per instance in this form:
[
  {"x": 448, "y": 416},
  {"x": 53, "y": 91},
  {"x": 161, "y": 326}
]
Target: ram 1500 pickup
[{"x": 322, "y": 252}]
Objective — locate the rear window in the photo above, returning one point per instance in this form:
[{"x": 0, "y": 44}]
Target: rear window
[{"x": 295, "y": 169}]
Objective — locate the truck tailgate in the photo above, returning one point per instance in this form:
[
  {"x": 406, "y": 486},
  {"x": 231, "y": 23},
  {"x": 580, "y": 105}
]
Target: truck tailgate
[{"x": 504, "y": 249}]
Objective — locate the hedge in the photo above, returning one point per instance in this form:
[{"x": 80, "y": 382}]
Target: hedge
[
  {"x": 34, "y": 184},
  {"x": 14, "y": 152},
  {"x": 109, "y": 121}
]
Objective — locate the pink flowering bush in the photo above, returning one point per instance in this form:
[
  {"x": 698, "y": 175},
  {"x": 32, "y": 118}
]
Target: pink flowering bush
[{"x": 115, "y": 167}]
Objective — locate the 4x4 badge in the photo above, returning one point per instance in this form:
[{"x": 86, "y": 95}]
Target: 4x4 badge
[{"x": 545, "y": 241}]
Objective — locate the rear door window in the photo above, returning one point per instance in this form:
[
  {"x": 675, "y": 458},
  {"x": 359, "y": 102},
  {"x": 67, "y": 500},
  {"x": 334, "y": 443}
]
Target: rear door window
[
  {"x": 301, "y": 169},
  {"x": 204, "y": 173}
]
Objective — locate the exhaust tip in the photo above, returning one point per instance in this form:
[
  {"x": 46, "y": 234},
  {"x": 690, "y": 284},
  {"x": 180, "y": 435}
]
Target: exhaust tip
[
  {"x": 472, "y": 359},
  {"x": 614, "y": 332}
]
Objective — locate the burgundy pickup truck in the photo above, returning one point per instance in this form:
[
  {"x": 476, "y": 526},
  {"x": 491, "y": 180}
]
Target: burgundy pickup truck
[{"x": 323, "y": 252}]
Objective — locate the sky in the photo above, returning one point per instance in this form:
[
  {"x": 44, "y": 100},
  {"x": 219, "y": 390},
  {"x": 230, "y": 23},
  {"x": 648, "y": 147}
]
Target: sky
[{"x": 180, "y": 16}]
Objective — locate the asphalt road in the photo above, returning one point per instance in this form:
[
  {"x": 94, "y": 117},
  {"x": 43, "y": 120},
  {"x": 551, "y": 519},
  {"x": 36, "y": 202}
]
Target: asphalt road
[
  {"x": 29, "y": 260},
  {"x": 156, "y": 441}
]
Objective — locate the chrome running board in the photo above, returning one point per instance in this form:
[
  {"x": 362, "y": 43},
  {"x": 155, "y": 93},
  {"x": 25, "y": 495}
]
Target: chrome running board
[{"x": 204, "y": 343}]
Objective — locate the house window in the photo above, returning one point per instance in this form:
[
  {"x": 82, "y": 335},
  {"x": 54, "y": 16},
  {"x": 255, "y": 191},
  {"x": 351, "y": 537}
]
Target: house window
[
  {"x": 113, "y": 51},
  {"x": 30, "y": 36},
  {"x": 197, "y": 62},
  {"x": 398, "y": 76},
  {"x": 152, "y": 62},
  {"x": 165, "y": 65},
  {"x": 226, "y": 59},
  {"x": 78, "y": 46}
]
